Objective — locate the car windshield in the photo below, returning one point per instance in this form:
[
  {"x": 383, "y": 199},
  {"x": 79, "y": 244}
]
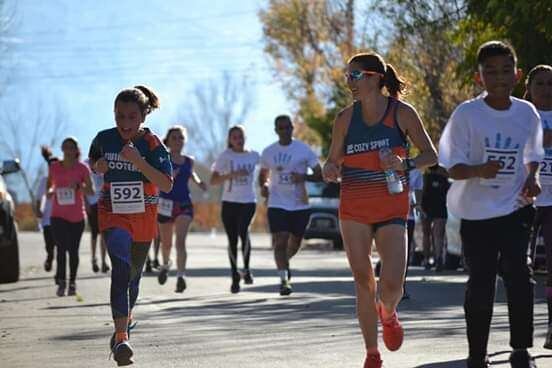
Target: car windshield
[{"x": 323, "y": 190}]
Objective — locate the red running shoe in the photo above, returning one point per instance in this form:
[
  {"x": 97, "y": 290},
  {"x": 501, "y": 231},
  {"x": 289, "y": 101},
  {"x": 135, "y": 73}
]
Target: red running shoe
[
  {"x": 393, "y": 332},
  {"x": 373, "y": 361}
]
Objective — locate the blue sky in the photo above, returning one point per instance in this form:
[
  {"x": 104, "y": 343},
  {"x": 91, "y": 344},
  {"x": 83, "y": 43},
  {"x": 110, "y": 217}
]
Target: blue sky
[{"x": 75, "y": 56}]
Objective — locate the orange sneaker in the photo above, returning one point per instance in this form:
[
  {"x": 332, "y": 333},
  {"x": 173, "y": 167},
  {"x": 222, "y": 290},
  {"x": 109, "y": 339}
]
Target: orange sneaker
[
  {"x": 393, "y": 332},
  {"x": 373, "y": 361}
]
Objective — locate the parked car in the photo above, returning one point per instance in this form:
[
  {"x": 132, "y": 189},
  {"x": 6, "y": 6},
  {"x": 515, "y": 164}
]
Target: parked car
[
  {"x": 324, "y": 218},
  {"x": 9, "y": 246}
]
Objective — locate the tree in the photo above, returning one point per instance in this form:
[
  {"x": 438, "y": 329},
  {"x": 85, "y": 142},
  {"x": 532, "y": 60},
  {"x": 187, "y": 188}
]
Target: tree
[
  {"x": 308, "y": 43},
  {"x": 24, "y": 131},
  {"x": 214, "y": 107},
  {"x": 423, "y": 50}
]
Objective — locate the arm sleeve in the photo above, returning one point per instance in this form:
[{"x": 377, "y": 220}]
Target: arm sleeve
[
  {"x": 220, "y": 164},
  {"x": 95, "y": 152},
  {"x": 534, "y": 151},
  {"x": 265, "y": 160},
  {"x": 454, "y": 144},
  {"x": 312, "y": 158}
]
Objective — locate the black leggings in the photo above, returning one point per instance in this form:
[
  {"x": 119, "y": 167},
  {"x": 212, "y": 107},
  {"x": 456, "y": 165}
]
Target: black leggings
[
  {"x": 67, "y": 235},
  {"x": 49, "y": 241},
  {"x": 236, "y": 218}
]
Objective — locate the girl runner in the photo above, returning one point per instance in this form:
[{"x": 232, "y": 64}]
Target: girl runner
[
  {"x": 176, "y": 211},
  {"x": 539, "y": 91},
  {"x": 234, "y": 168},
  {"x": 67, "y": 181},
  {"x": 135, "y": 165},
  {"x": 368, "y": 209}
]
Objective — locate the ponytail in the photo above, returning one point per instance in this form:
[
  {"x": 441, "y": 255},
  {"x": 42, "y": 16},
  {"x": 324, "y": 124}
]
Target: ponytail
[
  {"x": 394, "y": 84},
  {"x": 146, "y": 99},
  {"x": 371, "y": 61}
]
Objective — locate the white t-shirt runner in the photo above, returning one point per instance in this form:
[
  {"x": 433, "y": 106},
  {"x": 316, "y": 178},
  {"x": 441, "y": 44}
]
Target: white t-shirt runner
[
  {"x": 240, "y": 189},
  {"x": 545, "y": 198},
  {"x": 282, "y": 161},
  {"x": 476, "y": 132}
]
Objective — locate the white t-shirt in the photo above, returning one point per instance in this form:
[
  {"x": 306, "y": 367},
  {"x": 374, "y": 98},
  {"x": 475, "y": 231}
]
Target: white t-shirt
[
  {"x": 240, "y": 189},
  {"x": 415, "y": 182},
  {"x": 545, "y": 198},
  {"x": 477, "y": 133},
  {"x": 45, "y": 202},
  {"x": 282, "y": 161}
]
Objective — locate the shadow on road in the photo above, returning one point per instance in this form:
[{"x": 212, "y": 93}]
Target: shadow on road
[{"x": 461, "y": 363}]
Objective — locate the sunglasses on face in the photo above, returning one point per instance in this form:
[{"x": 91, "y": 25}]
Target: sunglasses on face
[{"x": 357, "y": 75}]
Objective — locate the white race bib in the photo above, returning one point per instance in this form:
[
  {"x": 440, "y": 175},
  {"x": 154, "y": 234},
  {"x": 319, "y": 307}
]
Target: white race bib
[
  {"x": 65, "y": 196},
  {"x": 285, "y": 179},
  {"x": 546, "y": 171},
  {"x": 127, "y": 197},
  {"x": 165, "y": 207},
  {"x": 509, "y": 163}
]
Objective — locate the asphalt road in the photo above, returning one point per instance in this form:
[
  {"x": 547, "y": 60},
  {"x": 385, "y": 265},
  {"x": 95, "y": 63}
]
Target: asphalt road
[{"x": 206, "y": 326}]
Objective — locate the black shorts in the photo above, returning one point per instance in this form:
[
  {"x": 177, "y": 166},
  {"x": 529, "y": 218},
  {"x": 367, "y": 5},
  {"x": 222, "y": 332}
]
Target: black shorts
[
  {"x": 295, "y": 222},
  {"x": 92, "y": 215}
]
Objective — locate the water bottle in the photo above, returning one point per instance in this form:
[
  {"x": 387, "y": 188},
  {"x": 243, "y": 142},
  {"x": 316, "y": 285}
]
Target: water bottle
[{"x": 394, "y": 184}]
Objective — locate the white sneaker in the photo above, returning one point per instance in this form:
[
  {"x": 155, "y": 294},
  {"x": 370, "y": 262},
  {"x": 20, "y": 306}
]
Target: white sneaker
[{"x": 548, "y": 341}]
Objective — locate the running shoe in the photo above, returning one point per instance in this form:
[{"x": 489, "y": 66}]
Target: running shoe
[
  {"x": 61, "y": 288},
  {"x": 95, "y": 267},
  {"x": 163, "y": 274},
  {"x": 155, "y": 264},
  {"x": 473, "y": 362},
  {"x": 105, "y": 268},
  {"x": 373, "y": 361},
  {"x": 522, "y": 359},
  {"x": 48, "y": 265},
  {"x": 548, "y": 341},
  {"x": 248, "y": 277},
  {"x": 72, "y": 290},
  {"x": 285, "y": 288},
  {"x": 235, "y": 287},
  {"x": 393, "y": 332},
  {"x": 122, "y": 353},
  {"x": 180, "y": 284},
  {"x": 130, "y": 327}
]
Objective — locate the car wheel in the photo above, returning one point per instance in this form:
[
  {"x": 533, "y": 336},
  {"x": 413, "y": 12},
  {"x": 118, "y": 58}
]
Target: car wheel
[{"x": 9, "y": 256}]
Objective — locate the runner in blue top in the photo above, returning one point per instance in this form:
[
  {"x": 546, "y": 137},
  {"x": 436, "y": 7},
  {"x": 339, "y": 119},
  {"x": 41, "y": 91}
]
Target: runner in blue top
[
  {"x": 175, "y": 209},
  {"x": 135, "y": 166}
]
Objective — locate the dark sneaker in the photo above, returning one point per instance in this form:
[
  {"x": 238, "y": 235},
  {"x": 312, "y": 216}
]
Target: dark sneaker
[
  {"x": 95, "y": 267},
  {"x": 163, "y": 274},
  {"x": 122, "y": 353},
  {"x": 235, "y": 288},
  {"x": 61, "y": 288},
  {"x": 248, "y": 277},
  {"x": 48, "y": 265},
  {"x": 285, "y": 288},
  {"x": 105, "y": 268},
  {"x": 180, "y": 285},
  {"x": 473, "y": 362},
  {"x": 72, "y": 290},
  {"x": 131, "y": 325},
  {"x": 148, "y": 268},
  {"x": 155, "y": 264},
  {"x": 522, "y": 359}
]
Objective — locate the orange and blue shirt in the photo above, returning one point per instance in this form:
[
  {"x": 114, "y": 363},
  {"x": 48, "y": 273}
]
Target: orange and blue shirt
[
  {"x": 364, "y": 194},
  {"x": 108, "y": 145}
]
